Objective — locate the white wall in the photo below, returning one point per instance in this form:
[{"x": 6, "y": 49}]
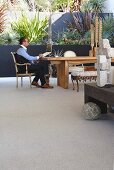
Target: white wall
[
  {"x": 109, "y": 6},
  {"x": 12, "y": 16}
]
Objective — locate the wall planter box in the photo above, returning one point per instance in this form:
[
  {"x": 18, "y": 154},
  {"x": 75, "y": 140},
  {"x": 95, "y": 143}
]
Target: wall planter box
[
  {"x": 80, "y": 50},
  {"x": 7, "y": 68}
]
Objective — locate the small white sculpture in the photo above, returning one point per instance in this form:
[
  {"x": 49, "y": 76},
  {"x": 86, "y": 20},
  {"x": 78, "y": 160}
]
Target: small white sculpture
[
  {"x": 104, "y": 55},
  {"x": 69, "y": 54}
]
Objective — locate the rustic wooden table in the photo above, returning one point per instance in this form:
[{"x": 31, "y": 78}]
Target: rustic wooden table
[{"x": 63, "y": 67}]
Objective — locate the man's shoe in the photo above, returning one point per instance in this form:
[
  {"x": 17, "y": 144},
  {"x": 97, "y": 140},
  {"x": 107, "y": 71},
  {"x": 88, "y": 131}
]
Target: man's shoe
[
  {"x": 47, "y": 78},
  {"x": 47, "y": 86},
  {"x": 35, "y": 84}
]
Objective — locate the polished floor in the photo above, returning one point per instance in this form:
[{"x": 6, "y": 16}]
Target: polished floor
[{"x": 44, "y": 130}]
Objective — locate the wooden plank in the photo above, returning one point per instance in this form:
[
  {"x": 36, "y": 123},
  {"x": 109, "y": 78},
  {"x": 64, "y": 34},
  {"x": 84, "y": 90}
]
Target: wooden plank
[
  {"x": 78, "y": 59},
  {"x": 71, "y": 58}
]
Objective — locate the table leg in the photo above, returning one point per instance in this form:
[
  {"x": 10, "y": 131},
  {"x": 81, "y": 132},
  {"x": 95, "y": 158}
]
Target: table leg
[{"x": 63, "y": 74}]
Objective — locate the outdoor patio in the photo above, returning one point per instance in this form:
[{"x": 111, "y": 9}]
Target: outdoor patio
[
  {"x": 53, "y": 128},
  {"x": 44, "y": 130}
]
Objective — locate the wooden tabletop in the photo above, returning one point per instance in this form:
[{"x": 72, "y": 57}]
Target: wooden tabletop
[
  {"x": 78, "y": 58},
  {"x": 71, "y": 58}
]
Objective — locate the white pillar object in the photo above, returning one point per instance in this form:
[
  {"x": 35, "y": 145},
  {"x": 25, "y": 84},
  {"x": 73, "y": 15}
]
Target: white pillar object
[
  {"x": 104, "y": 64},
  {"x": 112, "y": 74}
]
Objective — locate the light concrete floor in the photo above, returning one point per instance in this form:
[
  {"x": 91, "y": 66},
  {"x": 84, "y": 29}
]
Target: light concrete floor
[{"x": 43, "y": 129}]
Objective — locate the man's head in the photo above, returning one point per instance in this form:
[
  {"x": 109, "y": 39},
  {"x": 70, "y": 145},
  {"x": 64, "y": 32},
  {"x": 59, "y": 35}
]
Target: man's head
[{"x": 24, "y": 41}]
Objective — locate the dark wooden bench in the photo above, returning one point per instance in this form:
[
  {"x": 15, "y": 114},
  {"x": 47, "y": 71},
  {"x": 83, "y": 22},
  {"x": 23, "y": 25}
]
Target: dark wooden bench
[{"x": 101, "y": 96}]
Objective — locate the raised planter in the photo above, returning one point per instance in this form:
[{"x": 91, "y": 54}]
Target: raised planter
[
  {"x": 7, "y": 68},
  {"x": 80, "y": 50}
]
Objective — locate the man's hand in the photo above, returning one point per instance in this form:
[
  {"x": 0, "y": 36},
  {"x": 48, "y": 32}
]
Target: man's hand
[{"x": 41, "y": 57}]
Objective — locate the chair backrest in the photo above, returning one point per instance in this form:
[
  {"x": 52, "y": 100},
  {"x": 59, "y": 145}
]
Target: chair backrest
[
  {"x": 14, "y": 59},
  {"x": 20, "y": 63}
]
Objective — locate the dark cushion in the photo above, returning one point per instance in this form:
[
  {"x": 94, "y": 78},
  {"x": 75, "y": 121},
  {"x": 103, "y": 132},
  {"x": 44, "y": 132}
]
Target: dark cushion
[{"x": 20, "y": 59}]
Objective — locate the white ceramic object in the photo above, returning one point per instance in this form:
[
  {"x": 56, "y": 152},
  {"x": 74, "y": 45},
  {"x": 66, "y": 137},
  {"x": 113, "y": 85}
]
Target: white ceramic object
[
  {"x": 69, "y": 54},
  {"x": 104, "y": 64}
]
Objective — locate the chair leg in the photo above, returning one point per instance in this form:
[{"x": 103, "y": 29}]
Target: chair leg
[
  {"x": 21, "y": 81},
  {"x": 17, "y": 81},
  {"x": 30, "y": 81}
]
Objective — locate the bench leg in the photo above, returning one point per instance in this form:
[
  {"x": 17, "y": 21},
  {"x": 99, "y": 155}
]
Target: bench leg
[
  {"x": 73, "y": 83},
  {"x": 75, "y": 78},
  {"x": 77, "y": 84}
]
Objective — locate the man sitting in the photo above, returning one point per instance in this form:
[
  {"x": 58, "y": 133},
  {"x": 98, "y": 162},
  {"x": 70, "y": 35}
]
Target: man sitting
[{"x": 39, "y": 64}]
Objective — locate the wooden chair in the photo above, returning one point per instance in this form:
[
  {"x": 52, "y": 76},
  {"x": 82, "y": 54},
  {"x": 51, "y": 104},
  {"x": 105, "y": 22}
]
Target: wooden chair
[
  {"x": 18, "y": 73},
  {"x": 88, "y": 73}
]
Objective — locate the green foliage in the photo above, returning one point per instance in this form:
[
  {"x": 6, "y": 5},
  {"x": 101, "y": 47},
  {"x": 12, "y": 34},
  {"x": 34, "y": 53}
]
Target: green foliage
[
  {"x": 78, "y": 33},
  {"x": 33, "y": 29},
  {"x": 42, "y": 5},
  {"x": 108, "y": 29},
  {"x": 61, "y": 4},
  {"x": 53, "y": 4},
  {"x": 7, "y": 38},
  {"x": 78, "y": 30},
  {"x": 81, "y": 23},
  {"x": 73, "y": 38},
  {"x": 94, "y": 6},
  {"x": 86, "y": 7},
  {"x": 97, "y": 6}
]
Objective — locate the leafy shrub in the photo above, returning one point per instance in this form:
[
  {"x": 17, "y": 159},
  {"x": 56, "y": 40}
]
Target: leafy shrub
[
  {"x": 94, "y": 6},
  {"x": 9, "y": 37},
  {"x": 78, "y": 30},
  {"x": 61, "y": 5},
  {"x": 73, "y": 38},
  {"x": 33, "y": 29},
  {"x": 54, "y": 5},
  {"x": 81, "y": 22}
]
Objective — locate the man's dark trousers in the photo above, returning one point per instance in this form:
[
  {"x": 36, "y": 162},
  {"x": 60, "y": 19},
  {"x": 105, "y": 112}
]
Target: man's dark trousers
[{"x": 40, "y": 69}]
